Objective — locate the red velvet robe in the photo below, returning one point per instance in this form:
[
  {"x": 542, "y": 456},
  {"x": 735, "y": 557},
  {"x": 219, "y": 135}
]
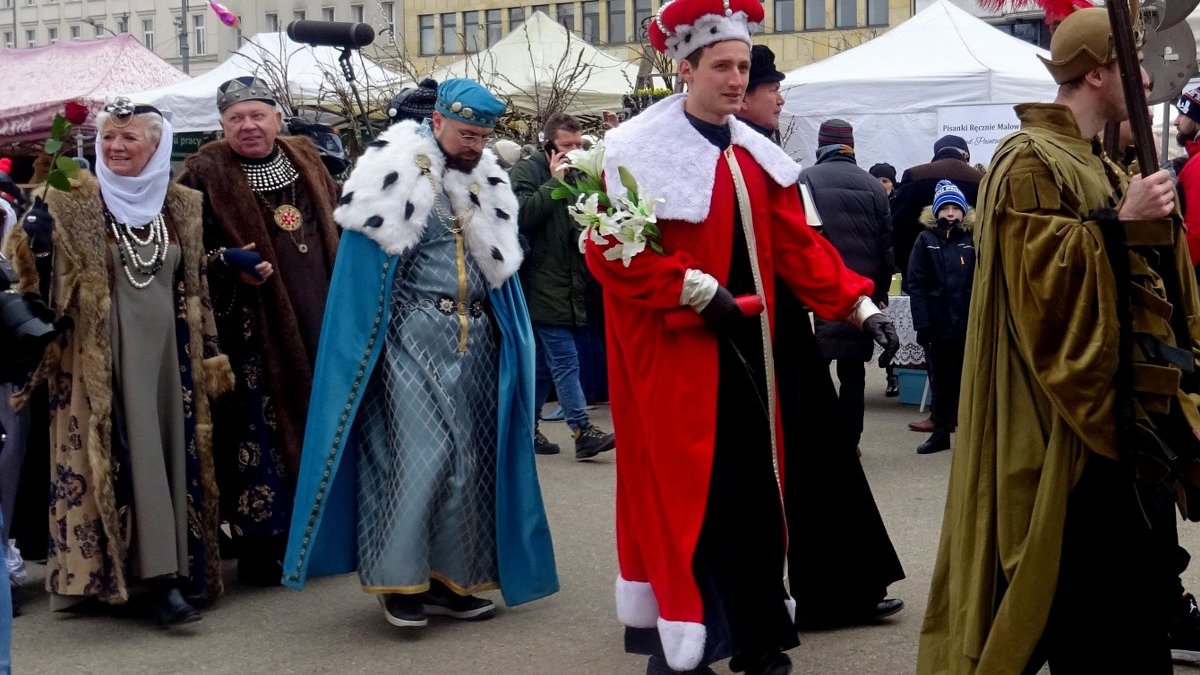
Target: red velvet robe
[{"x": 663, "y": 384}]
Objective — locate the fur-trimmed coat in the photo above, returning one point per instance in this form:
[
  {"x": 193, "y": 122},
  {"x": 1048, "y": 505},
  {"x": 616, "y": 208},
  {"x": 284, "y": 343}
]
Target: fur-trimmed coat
[
  {"x": 90, "y": 531},
  {"x": 233, "y": 219},
  {"x": 941, "y": 268},
  {"x": 386, "y": 207}
]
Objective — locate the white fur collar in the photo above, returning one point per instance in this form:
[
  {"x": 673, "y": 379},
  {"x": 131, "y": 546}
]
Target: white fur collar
[
  {"x": 682, "y": 173},
  {"x": 388, "y": 198}
]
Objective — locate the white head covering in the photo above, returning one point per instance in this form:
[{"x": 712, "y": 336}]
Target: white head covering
[{"x": 135, "y": 200}]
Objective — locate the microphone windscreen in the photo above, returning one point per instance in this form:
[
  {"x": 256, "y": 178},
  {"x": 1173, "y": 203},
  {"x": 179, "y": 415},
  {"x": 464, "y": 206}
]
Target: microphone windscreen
[{"x": 332, "y": 33}]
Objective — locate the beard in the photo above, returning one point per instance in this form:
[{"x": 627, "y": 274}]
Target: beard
[
  {"x": 1182, "y": 138},
  {"x": 465, "y": 161}
]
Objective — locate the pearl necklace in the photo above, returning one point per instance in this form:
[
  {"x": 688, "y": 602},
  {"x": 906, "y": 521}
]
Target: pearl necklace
[
  {"x": 274, "y": 173},
  {"x": 126, "y": 241}
]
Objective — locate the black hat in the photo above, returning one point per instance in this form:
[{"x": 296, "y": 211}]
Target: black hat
[
  {"x": 762, "y": 67},
  {"x": 414, "y": 103},
  {"x": 951, "y": 141},
  {"x": 883, "y": 170},
  {"x": 1189, "y": 103}
]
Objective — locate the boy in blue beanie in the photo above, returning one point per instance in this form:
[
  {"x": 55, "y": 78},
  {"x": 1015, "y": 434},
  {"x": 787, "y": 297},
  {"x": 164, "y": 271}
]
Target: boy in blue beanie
[{"x": 940, "y": 271}]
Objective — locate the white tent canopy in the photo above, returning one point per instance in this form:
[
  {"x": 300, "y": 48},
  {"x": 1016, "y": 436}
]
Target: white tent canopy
[
  {"x": 312, "y": 76},
  {"x": 526, "y": 63},
  {"x": 890, "y": 88}
]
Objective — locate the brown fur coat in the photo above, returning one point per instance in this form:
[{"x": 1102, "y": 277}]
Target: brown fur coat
[
  {"x": 233, "y": 219},
  {"x": 90, "y": 535}
]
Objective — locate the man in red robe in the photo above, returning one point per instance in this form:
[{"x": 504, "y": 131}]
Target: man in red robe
[{"x": 701, "y": 536}]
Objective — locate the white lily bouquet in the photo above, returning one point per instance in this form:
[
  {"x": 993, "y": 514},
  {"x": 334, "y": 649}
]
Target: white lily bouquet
[{"x": 629, "y": 221}]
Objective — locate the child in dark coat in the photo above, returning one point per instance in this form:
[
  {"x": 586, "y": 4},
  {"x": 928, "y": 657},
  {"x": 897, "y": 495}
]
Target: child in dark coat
[{"x": 940, "y": 271}]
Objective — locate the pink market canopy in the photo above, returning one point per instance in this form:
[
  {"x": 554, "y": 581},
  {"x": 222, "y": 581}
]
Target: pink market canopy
[{"x": 43, "y": 79}]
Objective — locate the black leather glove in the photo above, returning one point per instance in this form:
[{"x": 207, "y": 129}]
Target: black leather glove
[
  {"x": 721, "y": 309},
  {"x": 39, "y": 227},
  {"x": 243, "y": 260},
  {"x": 923, "y": 337},
  {"x": 881, "y": 330}
]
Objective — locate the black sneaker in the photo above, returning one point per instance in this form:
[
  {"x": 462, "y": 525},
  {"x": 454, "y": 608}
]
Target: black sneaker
[
  {"x": 543, "y": 446},
  {"x": 441, "y": 601},
  {"x": 1185, "y": 632},
  {"x": 591, "y": 441},
  {"x": 404, "y": 611}
]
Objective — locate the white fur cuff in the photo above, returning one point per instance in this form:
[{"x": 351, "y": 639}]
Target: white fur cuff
[
  {"x": 682, "y": 643},
  {"x": 698, "y": 289},
  {"x": 636, "y": 605},
  {"x": 863, "y": 310}
]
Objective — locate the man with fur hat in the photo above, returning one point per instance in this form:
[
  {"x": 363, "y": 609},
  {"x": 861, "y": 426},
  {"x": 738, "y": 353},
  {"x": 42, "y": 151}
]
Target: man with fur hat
[
  {"x": 418, "y": 468},
  {"x": 1054, "y": 547},
  {"x": 701, "y": 537},
  {"x": 271, "y": 240},
  {"x": 940, "y": 270}
]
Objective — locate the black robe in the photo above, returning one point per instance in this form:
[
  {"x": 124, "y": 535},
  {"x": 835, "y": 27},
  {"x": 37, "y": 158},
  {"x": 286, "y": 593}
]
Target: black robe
[{"x": 840, "y": 558}]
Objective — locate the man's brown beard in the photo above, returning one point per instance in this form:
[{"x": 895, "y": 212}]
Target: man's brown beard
[{"x": 459, "y": 163}]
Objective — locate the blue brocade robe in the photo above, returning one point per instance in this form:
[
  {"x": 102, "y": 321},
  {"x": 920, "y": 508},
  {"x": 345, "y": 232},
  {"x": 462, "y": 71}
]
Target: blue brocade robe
[{"x": 385, "y": 210}]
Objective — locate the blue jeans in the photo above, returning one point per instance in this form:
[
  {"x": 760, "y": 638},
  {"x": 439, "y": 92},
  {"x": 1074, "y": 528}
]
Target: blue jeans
[
  {"x": 5, "y": 612},
  {"x": 556, "y": 345}
]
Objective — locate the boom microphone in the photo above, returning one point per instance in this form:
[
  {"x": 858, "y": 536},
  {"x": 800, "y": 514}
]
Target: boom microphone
[{"x": 342, "y": 34}]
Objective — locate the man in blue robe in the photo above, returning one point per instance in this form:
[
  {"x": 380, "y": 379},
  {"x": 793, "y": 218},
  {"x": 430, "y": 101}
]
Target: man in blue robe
[{"x": 418, "y": 466}]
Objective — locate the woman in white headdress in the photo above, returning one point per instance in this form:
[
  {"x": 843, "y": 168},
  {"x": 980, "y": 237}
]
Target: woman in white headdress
[{"x": 133, "y": 492}]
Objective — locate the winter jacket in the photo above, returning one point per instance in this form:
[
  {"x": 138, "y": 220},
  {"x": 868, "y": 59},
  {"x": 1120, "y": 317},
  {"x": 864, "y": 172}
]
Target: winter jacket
[
  {"x": 554, "y": 273},
  {"x": 1189, "y": 195},
  {"x": 856, "y": 220},
  {"x": 940, "y": 270},
  {"x": 915, "y": 193}
]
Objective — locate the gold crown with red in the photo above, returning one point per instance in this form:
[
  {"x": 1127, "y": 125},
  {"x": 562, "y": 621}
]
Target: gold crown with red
[{"x": 683, "y": 26}]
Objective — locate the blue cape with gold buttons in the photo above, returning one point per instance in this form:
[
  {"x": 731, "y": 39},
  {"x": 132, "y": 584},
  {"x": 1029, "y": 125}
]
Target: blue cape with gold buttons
[{"x": 323, "y": 537}]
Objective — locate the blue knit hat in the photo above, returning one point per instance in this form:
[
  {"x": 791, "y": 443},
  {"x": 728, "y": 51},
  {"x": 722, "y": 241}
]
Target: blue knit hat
[{"x": 945, "y": 193}]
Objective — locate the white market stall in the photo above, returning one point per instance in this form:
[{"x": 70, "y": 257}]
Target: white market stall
[
  {"x": 525, "y": 64},
  {"x": 41, "y": 80},
  {"x": 312, "y": 75},
  {"x": 891, "y": 88}
]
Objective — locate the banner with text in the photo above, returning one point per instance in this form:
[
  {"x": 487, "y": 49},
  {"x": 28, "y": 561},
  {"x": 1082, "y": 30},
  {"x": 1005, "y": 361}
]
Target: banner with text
[{"x": 981, "y": 125}]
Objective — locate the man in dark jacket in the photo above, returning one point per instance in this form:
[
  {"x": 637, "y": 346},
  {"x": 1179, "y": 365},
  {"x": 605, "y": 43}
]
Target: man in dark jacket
[
  {"x": 855, "y": 218},
  {"x": 554, "y": 277},
  {"x": 951, "y": 161},
  {"x": 940, "y": 270}
]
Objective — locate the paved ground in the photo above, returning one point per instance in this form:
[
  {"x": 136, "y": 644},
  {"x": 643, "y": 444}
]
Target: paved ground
[{"x": 333, "y": 627}]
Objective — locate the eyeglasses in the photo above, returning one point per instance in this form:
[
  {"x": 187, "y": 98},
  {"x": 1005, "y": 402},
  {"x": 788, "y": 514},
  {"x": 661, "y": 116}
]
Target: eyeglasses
[{"x": 472, "y": 139}]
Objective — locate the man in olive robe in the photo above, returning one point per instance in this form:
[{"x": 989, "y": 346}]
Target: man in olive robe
[{"x": 1052, "y": 550}]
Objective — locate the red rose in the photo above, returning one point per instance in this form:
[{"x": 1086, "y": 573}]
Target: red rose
[{"x": 76, "y": 113}]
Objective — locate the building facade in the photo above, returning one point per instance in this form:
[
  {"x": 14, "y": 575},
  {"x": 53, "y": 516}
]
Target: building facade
[
  {"x": 428, "y": 32},
  {"x": 35, "y": 23},
  {"x": 436, "y": 32}
]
